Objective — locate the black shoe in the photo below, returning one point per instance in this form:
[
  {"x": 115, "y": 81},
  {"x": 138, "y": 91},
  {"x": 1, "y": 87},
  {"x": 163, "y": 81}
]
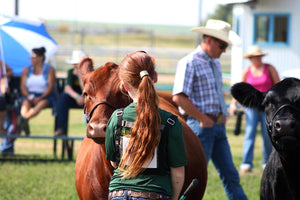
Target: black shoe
[
  {"x": 24, "y": 125},
  {"x": 59, "y": 132}
]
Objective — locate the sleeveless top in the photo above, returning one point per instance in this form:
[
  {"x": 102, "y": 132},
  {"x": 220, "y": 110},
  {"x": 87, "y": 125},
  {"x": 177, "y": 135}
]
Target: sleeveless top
[
  {"x": 37, "y": 83},
  {"x": 261, "y": 83}
]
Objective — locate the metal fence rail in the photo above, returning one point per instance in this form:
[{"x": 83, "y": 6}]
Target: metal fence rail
[{"x": 166, "y": 58}]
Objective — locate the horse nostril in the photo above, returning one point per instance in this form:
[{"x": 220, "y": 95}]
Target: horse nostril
[
  {"x": 96, "y": 130},
  {"x": 90, "y": 129}
]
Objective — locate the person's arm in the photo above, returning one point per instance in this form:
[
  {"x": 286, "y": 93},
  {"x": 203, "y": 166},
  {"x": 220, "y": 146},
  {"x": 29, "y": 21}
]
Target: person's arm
[
  {"x": 233, "y": 106},
  {"x": 72, "y": 93},
  {"x": 72, "y": 76},
  {"x": 23, "y": 87},
  {"x": 274, "y": 74},
  {"x": 114, "y": 164},
  {"x": 244, "y": 74},
  {"x": 51, "y": 83},
  {"x": 177, "y": 177},
  {"x": 187, "y": 105}
]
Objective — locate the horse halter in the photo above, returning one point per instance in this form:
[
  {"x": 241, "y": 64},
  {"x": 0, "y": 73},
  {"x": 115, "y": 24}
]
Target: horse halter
[
  {"x": 269, "y": 124},
  {"x": 89, "y": 115}
]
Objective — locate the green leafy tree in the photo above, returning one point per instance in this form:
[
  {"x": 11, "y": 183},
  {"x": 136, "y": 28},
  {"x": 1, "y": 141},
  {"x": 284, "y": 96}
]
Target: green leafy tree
[{"x": 222, "y": 12}]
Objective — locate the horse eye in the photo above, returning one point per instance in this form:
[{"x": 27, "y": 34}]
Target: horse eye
[{"x": 84, "y": 94}]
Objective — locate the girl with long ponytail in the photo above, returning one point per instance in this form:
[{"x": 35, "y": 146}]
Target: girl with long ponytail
[{"x": 134, "y": 176}]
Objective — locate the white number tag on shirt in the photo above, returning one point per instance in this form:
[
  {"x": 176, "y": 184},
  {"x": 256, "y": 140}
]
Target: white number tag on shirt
[{"x": 149, "y": 163}]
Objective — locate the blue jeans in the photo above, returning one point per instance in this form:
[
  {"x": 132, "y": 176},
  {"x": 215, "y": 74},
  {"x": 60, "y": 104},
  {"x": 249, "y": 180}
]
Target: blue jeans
[
  {"x": 63, "y": 105},
  {"x": 10, "y": 124},
  {"x": 216, "y": 148},
  {"x": 7, "y": 145},
  {"x": 252, "y": 119}
]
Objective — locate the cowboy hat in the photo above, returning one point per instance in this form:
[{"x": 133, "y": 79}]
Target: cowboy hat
[
  {"x": 220, "y": 30},
  {"x": 254, "y": 51},
  {"x": 77, "y": 55}
]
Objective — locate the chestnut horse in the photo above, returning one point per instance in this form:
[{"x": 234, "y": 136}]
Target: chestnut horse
[{"x": 103, "y": 95}]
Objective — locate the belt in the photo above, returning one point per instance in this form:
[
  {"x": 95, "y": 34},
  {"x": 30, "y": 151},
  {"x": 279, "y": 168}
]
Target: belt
[
  {"x": 149, "y": 195},
  {"x": 218, "y": 119}
]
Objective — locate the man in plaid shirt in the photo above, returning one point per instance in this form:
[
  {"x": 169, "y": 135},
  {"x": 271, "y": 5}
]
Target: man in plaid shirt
[{"x": 198, "y": 92}]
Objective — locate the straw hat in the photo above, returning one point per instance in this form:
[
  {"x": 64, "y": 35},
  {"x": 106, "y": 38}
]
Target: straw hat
[
  {"x": 254, "y": 51},
  {"x": 77, "y": 55},
  {"x": 219, "y": 29}
]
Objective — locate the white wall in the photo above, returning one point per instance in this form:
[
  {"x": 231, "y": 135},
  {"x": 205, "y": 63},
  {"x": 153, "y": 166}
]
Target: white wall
[{"x": 283, "y": 58}]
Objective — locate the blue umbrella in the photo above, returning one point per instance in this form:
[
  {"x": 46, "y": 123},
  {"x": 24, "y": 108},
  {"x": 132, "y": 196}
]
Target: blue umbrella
[{"x": 18, "y": 37}]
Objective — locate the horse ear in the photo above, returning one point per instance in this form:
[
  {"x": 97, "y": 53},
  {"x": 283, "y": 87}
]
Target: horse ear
[{"x": 86, "y": 66}]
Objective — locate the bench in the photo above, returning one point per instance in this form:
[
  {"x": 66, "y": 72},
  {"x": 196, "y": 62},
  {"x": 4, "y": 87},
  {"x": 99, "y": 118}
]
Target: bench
[{"x": 67, "y": 141}]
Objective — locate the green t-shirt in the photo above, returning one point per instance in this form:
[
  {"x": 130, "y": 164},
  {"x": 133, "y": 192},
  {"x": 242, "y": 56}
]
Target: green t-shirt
[
  {"x": 73, "y": 81},
  {"x": 146, "y": 182}
]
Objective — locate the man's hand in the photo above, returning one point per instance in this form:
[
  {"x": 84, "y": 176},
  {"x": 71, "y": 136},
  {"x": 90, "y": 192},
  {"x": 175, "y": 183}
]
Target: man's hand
[{"x": 206, "y": 122}]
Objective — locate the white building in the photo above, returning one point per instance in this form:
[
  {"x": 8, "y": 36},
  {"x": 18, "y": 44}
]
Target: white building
[{"x": 274, "y": 26}]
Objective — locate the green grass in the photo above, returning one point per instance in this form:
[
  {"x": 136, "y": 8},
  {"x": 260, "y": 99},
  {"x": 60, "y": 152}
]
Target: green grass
[
  {"x": 55, "y": 180},
  {"x": 35, "y": 180},
  {"x": 249, "y": 181},
  {"x": 41, "y": 180}
]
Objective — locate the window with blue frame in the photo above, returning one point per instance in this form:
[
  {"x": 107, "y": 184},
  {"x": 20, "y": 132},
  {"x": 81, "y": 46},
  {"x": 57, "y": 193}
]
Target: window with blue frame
[{"x": 271, "y": 29}]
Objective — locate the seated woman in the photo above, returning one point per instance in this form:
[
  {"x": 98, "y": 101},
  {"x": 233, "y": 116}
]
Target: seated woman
[{"x": 37, "y": 87}]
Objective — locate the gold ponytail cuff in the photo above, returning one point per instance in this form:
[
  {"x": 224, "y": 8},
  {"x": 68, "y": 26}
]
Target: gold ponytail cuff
[{"x": 144, "y": 73}]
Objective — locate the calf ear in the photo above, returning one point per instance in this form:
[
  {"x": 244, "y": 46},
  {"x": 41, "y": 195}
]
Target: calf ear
[
  {"x": 85, "y": 66},
  {"x": 247, "y": 95}
]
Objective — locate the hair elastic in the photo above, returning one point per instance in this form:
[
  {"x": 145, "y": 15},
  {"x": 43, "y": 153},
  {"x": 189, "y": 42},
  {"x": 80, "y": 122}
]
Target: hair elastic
[{"x": 143, "y": 73}]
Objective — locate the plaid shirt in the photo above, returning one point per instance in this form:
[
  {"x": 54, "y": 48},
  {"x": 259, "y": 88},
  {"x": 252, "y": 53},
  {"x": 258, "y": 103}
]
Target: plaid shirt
[{"x": 195, "y": 78}]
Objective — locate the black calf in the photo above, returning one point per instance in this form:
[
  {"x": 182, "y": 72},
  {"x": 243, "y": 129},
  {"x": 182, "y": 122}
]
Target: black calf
[{"x": 281, "y": 177}]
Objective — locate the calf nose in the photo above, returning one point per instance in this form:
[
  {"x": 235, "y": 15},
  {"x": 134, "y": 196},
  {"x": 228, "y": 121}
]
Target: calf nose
[
  {"x": 95, "y": 130},
  {"x": 285, "y": 126}
]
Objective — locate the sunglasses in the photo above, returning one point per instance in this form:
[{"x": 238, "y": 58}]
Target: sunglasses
[
  {"x": 33, "y": 55},
  {"x": 222, "y": 45}
]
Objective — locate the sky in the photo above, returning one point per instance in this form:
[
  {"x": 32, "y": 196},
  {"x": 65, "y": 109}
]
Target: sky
[{"x": 167, "y": 12}]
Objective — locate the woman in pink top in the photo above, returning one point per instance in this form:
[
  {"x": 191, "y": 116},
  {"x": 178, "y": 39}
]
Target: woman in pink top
[{"x": 262, "y": 77}]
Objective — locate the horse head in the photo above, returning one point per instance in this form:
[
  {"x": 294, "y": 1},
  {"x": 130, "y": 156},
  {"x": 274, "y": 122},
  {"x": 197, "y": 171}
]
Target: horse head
[{"x": 102, "y": 95}]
